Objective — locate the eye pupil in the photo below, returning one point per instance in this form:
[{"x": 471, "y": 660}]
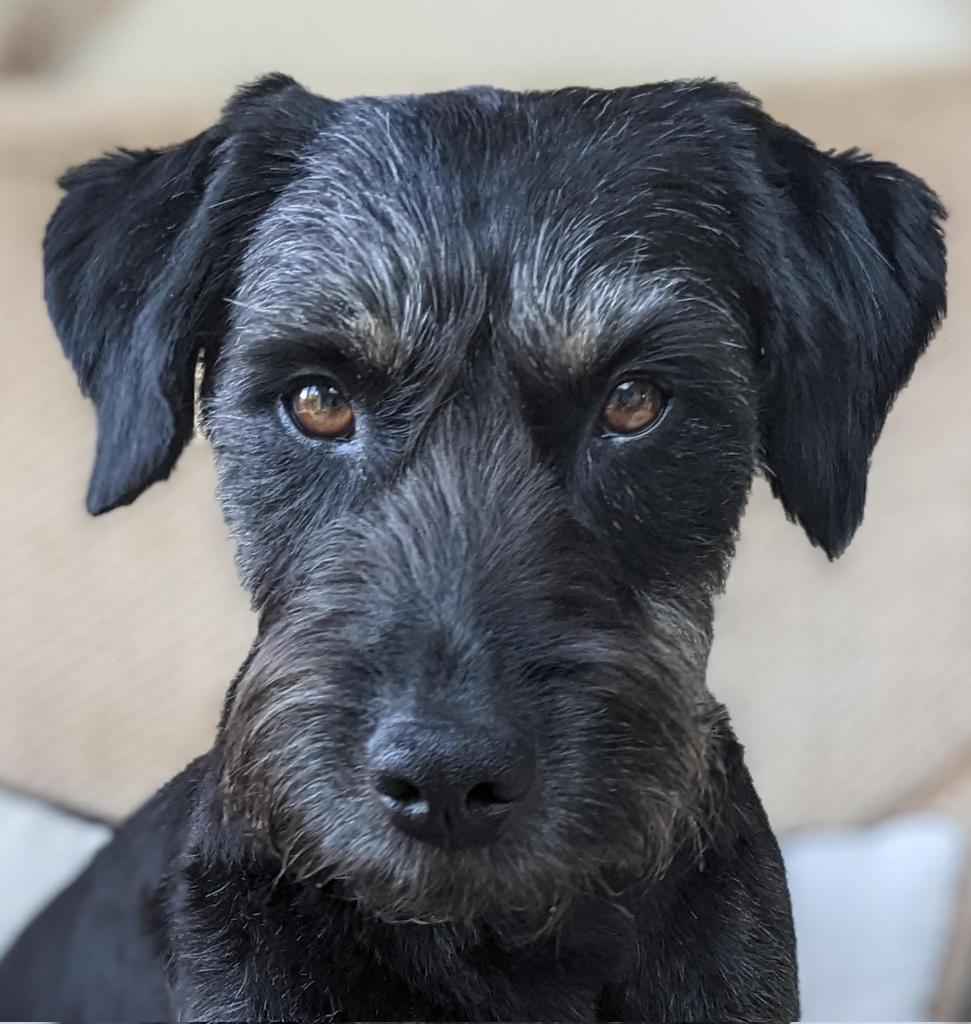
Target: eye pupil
[
  {"x": 322, "y": 410},
  {"x": 632, "y": 406}
]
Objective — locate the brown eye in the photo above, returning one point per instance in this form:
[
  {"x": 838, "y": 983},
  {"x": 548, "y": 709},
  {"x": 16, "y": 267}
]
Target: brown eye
[
  {"x": 321, "y": 410},
  {"x": 633, "y": 406}
]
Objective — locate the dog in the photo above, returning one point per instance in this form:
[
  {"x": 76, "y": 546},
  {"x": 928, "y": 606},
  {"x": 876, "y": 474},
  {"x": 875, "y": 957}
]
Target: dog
[{"x": 487, "y": 376}]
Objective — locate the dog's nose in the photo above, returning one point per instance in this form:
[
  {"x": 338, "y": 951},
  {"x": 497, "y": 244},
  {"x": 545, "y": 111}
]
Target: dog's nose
[{"x": 447, "y": 785}]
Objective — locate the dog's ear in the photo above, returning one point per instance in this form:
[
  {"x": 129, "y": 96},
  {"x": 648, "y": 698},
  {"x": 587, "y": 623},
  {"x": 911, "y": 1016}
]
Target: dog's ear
[
  {"x": 140, "y": 258},
  {"x": 849, "y": 270}
]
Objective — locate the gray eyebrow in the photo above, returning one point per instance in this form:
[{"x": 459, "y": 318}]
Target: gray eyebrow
[
  {"x": 385, "y": 286},
  {"x": 357, "y": 333},
  {"x": 582, "y": 319}
]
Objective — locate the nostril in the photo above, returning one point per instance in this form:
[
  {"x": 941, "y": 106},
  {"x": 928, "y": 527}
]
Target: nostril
[
  {"x": 506, "y": 787},
  {"x": 397, "y": 788},
  {"x": 486, "y": 794}
]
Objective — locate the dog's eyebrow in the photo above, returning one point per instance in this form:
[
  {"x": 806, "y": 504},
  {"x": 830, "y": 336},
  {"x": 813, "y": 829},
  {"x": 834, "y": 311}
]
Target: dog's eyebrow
[
  {"x": 288, "y": 351},
  {"x": 355, "y": 336},
  {"x": 581, "y": 323},
  {"x": 670, "y": 321}
]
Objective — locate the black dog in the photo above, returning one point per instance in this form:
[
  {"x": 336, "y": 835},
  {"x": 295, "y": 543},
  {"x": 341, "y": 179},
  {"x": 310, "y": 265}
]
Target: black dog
[{"x": 487, "y": 376}]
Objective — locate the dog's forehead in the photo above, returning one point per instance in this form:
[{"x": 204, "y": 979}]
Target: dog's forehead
[{"x": 564, "y": 220}]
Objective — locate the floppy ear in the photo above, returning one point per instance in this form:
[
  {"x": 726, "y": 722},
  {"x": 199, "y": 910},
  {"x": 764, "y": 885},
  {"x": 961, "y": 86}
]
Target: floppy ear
[
  {"x": 140, "y": 258},
  {"x": 849, "y": 264}
]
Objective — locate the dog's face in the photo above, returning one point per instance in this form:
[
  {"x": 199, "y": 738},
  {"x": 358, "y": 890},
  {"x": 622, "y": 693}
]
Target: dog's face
[{"x": 487, "y": 376}]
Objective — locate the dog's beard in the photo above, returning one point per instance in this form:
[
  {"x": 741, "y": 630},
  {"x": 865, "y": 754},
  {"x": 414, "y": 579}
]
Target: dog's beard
[
  {"x": 520, "y": 887},
  {"x": 290, "y": 778},
  {"x": 517, "y": 893}
]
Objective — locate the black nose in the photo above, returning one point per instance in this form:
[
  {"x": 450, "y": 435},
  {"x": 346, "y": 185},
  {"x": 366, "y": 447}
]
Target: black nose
[{"x": 449, "y": 785}]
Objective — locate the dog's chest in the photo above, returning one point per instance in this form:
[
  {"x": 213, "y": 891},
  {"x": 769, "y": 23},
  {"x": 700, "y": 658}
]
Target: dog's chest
[{"x": 323, "y": 959}]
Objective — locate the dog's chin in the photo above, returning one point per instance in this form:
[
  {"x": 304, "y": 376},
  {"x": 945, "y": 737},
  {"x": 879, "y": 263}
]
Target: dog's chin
[
  {"x": 461, "y": 902},
  {"x": 518, "y": 893},
  {"x": 404, "y": 881}
]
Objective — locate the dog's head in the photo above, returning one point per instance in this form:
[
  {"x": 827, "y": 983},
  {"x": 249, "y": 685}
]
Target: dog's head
[{"x": 487, "y": 376}]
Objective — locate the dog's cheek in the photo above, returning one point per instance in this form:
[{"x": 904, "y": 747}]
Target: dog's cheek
[
  {"x": 305, "y": 801},
  {"x": 631, "y": 742},
  {"x": 668, "y": 506},
  {"x": 582, "y": 757},
  {"x": 295, "y": 732},
  {"x": 276, "y": 491}
]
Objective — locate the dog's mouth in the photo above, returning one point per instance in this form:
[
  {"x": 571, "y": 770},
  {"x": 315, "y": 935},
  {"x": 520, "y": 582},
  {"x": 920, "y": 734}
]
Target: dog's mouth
[
  {"x": 523, "y": 885},
  {"x": 461, "y": 902},
  {"x": 522, "y": 900}
]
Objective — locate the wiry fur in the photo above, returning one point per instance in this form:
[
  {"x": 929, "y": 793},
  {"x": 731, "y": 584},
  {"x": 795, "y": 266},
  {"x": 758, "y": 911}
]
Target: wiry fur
[
  {"x": 477, "y": 270},
  {"x": 451, "y": 578}
]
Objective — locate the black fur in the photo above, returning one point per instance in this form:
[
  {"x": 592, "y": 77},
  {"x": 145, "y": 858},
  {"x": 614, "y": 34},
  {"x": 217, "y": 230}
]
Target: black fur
[
  {"x": 477, "y": 270},
  {"x": 177, "y": 221}
]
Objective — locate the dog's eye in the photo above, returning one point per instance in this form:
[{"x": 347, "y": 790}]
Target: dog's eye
[
  {"x": 633, "y": 406},
  {"x": 322, "y": 410}
]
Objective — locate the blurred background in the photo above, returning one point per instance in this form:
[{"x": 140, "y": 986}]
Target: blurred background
[{"x": 849, "y": 683}]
